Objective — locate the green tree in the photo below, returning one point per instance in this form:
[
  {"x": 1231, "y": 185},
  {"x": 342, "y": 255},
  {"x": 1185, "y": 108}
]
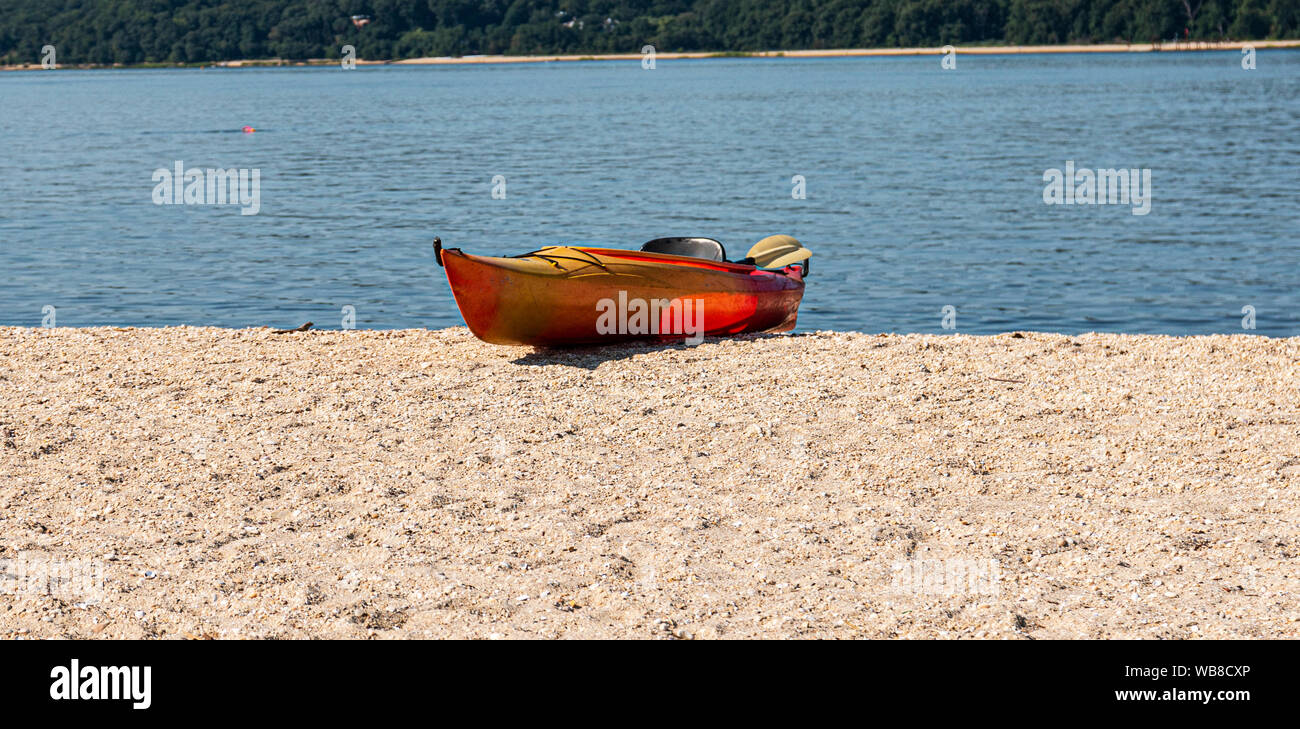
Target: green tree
[{"x": 203, "y": 31}]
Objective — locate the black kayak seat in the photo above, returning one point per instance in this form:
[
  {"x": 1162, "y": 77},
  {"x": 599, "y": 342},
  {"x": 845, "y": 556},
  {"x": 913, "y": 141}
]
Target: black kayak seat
[{"x": 706, "y": 248}]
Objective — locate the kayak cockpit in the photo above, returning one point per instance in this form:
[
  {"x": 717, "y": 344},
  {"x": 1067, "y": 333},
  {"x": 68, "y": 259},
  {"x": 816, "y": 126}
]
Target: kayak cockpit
[{"x": 706, "y": 248}]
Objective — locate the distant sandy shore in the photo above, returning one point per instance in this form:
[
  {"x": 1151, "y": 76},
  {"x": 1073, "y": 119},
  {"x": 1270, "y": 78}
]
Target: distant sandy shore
[
  {"x": 390, "y": 484},
  {"x": 847, "y": 52},
  {"x": 831, "y": 53}
]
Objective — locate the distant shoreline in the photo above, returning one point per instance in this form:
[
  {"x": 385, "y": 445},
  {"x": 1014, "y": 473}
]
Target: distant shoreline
[{"x": 1180, "y": 46}]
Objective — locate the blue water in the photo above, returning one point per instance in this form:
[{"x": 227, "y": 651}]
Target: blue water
[{"x": 924, "y": 186}]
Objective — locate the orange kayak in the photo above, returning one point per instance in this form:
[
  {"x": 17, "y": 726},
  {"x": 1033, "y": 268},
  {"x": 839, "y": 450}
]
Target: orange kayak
[{"x": 569, "y": 295}]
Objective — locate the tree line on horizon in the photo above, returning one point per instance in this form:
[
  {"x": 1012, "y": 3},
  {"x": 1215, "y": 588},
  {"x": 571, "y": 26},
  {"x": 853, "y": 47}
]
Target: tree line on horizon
[{"x": 205, "y": 31}]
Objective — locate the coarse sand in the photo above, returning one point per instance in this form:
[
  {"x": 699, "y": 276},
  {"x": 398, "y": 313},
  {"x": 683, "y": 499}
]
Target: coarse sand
[{"x": 395, "y": 484}]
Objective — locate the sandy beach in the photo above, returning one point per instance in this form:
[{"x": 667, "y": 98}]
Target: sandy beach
[
  {"x": 391, "y": 484},
  {"x": 850, "y": 52},
  {"x": 1166, "y": 46}
]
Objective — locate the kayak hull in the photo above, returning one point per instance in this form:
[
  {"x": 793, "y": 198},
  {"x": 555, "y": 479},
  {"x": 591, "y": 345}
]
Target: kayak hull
[{"x": 566, "y": 296}]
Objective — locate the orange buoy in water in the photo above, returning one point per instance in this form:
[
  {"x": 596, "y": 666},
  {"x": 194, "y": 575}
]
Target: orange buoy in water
[{"x": 249, "y": 130}]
